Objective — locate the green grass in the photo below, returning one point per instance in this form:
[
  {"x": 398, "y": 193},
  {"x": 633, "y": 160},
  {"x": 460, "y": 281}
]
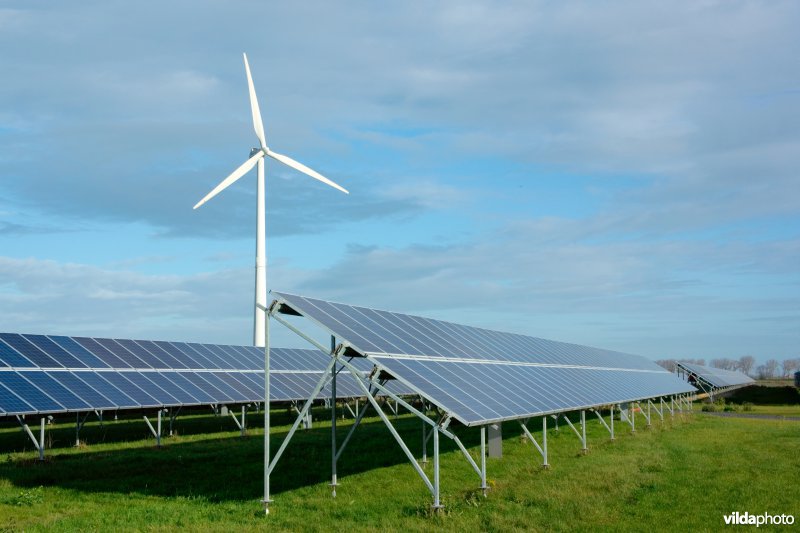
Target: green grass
[{"x": 682, "y": 476}]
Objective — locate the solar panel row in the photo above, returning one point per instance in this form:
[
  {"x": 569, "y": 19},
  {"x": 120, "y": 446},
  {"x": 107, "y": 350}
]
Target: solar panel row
[
  {"x": 53, "y": 374},
  {"x": 481, "y": 376},
  {"x": 718, "y": 377},
  {"x": 373, "y": 332},
  {"x": 55, "y": 351}
]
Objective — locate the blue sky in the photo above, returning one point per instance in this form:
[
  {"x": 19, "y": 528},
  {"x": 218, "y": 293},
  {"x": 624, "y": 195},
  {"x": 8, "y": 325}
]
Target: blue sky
[{"x": 623, "y": 175}]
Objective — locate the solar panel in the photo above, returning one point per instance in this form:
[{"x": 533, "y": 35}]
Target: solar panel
[
  {"x": 56, "y": 352},
  {"x": 82, "y": 373},
  {"x": 481, "y": 376},
  {"x": 12, "y": 358},
  {"x": 10, "y": 403},
  {"x": 717, "y": 377},
  {"x": 79, "y": 352},
  {"x": 29, "y": 351},
  {"x": 30, "y": 393}
]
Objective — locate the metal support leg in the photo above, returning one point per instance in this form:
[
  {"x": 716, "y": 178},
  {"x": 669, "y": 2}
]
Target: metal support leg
[
  {"x": 612, "y": 422},
  {"x": 424, "y": 442},
  {"x": 41, "y": 439},
  {"x": 79, "y": 422},
  {"x": 156, "y": 434},
  {"x": 244, "y": 421},
  {"x": 436, "y": 503},
  {"x": 583, "y": 431},
  {"x": 542, "y": 449},
  {"x": 484, "y": 487},
  {"x": 545, "y": 464},
  {"x": 602, "y": 421},
  {"x": 333, "y": 420}
]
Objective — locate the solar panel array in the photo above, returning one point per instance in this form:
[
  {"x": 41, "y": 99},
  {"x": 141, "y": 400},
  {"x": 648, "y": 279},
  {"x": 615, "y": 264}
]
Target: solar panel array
[
  {"x": 53, "y": 374},
  {"x": 480, "y": 375},
  {"x": 718, "y": 377}
]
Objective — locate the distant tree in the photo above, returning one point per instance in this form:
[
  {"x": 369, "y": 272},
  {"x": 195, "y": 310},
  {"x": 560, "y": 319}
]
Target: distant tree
[
  {"x": 761, "y": 372},
  {"x": 701, "y": 362},
  {"x": 669, "y": 364},
  {"x": 789, "y": 367},
  {"x": 770, "y": 367},
  {"x": 717, "y": 363},
  {"x": 746, "y": 363}
]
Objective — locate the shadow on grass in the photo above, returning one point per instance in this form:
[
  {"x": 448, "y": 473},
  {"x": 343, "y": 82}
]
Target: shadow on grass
[{"x": 224, "y": 468}]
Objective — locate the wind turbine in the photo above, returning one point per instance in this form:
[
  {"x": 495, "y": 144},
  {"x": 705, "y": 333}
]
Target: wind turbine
[{"x": 257, "y": 156}]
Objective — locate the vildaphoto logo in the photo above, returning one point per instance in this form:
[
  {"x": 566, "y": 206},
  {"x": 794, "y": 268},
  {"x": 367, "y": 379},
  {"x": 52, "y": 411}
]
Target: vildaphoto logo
[{"x": 747, "y": 519}]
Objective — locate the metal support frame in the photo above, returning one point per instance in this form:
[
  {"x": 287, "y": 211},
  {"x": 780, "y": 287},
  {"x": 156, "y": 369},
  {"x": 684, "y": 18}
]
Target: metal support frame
[
  {"x": 659, "y": 412},
  {"x": 242, "y": 425},
  {"x": 543, "y": 448},
  {"x": 627, "y": 415},
  {"x": 645, "y": 414},
  {"x": 172, "y": 416},
  {"x": 37, "y": 443},
  {"x": 602, "y": 421},
  {"x": 156, "y": 433},
  {"x": 307, "y": 420},
  {"x": 79, "y": 422},
  {"x": 582, "y": 434}
]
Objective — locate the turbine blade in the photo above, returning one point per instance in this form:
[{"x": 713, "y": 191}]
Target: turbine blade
[
  {"x": 235, "y": 175},
  {"x": 286, "y": 160},
  {"x": 257, "y": 124}
]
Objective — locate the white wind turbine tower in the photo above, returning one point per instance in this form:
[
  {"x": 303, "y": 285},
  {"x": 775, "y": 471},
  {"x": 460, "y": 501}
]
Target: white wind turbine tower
[{"x": 257, "y": 158}]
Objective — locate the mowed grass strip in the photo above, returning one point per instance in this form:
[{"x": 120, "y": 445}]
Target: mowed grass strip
[{"x": 682, "y": 475}]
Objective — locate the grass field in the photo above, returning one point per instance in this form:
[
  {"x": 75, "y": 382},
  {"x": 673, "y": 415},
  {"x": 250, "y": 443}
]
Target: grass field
[{"x": 684, "y": 475}]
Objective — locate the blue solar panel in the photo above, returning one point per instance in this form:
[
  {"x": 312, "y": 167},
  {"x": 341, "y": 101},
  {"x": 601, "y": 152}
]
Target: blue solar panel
[
  {"x": 183, "y": 352},
  {"x": 82, "y": 354},
  {"x": 117, "y": 349},
  {"x": 108, "y": 389},
  {"x": 106, "y": 356},
  {"x": 161, "y": 396},
  {"x": 10, "y": 357},
  {"x": 28, "y": 392},
  {"x": 210, "y": 355},
  {"x": 11, "y": 403},
  {"x": 31, "y": 352},
  {"x": 202, "y": 394},
  {"x": 165, "y": 381},
  {"x": 208, "y": 382},
  {"x": 55, "y": 390},
  {"x": 129, "y": 388},
  {"x": 172, "y": 358},
  {"x": 246, "y": 356},
  {"x": 95, "y": 399},
  {"x": 143, "y": 355},
  {"x": 479, "y": 375},
  {"x": 717, "y": 377},
  {"x": 55, "y": 351}
]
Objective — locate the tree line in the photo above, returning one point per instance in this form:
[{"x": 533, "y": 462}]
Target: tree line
[{"x": 770, "y": 369}]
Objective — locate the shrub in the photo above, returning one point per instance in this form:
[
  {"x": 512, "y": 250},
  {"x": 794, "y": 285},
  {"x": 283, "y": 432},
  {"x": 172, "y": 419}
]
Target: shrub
[{"x": 747, "y": 406}]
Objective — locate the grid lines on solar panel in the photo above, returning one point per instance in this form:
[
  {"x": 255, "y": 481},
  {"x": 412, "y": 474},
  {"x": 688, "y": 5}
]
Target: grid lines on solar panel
[
  {"x": 59, "y": 354},
  {"x": 117, "y": 349},
  {"x": 30, "y": 393},
  {"x": 381, "y": 332},
  {"x": 82, "y": 354},
  {"x": 108, "y": 357},
  {"x": 55, "y": 390},
  {"x": 92, "y": 396},
  {"x": 10, "y": 357},
  {"x": 29, "y": 351},
  {"x": 108, "y": 389},
  {"x": 11, "y": 403}
]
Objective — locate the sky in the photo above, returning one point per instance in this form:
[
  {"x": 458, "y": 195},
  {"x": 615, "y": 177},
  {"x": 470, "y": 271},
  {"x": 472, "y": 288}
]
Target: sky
[{"x": 617, "y": 174}]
